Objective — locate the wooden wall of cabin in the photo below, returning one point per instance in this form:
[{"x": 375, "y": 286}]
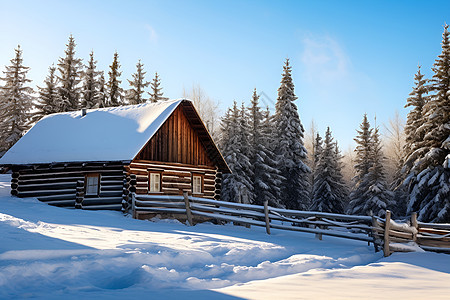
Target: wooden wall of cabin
[
  {"x": 175, "y": 178},
  {"x": 176, "y": 141},
  {"x": 57, "y": 184}
]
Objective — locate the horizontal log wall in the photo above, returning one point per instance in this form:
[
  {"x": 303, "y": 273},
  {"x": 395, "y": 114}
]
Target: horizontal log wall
[
  {"x": 57, "y": 185},
  {"x": 176, "y": 178}
]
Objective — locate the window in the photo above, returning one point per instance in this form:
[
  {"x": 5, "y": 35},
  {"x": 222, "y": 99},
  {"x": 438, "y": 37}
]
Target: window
[
  {"x": 91, "y": 184},
  {"x": 155, "y": 182},
  {"x": 197, "y": 184}
]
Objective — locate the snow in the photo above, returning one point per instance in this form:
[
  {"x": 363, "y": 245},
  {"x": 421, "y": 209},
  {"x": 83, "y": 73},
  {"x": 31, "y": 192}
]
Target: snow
[
  {"x": 104, "y": 134},
  {"x": 52, "y": 253},
  {"x": 386, "y": 279}
]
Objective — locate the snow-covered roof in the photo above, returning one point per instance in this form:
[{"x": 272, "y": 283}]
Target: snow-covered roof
[{"x": 104, "y": 134}]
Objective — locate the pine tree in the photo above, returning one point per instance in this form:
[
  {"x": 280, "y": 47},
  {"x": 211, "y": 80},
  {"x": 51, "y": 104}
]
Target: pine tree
[
  {"x": 438, "y": 110},
  {"x": 363, "y": 162},
  {"x": 371, "y": 195},
  {"x": 429, "y": 178},
  {"x": 271, "y": 175},
  {"x": 47, "y": 102},
  {"x": 291, "y": 153},
  {"x": 69, "y": 69},
  {"x": 114, "y": 91},
  {"x": 15, "y": 102},
  {"x": 231, "y": 188},
  {"x": 317, "y": 152},
  {"x": 327, "y": 189},
  {"x": 414, "y": 130},
  {"x": 225, "y": 131},
  {"x": 341, "y": 186},
  {"x": 90, "y": 84},
  {"x": 236, "y": 186},
  {"x": 156, "y": 93},
  {"x": 265, "y": 177},
  {"x": 256, "y": 148},
  {"x": 244, "y": 170},
  {"x": 378, "y": 197},
  {"x": 102, "y": 93},
  {"x": 138, "y": 84}
]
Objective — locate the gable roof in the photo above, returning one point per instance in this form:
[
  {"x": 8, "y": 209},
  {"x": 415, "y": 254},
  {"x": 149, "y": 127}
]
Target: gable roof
[{"x": 104, "y": 134}]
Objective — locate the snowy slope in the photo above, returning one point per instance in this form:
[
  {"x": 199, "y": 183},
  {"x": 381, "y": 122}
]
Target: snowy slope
[{"x": 53, "y": 253}]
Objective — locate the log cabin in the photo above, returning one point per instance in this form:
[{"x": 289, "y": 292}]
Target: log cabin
[{"x": 94, "y": 158}]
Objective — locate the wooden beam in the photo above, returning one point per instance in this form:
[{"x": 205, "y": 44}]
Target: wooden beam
[{"x": 387, "y": 224}]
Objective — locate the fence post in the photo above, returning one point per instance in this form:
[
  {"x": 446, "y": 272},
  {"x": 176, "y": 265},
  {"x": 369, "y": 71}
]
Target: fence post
[
  {"x": 266, "y": 214},
  {"x": 79, "y": 194},
  {"x": 318, "y": 235},
  {"x": 188, "y": 208},
  {"x": 133, "y": 205},
  {"x": 415, "y": 225},
  {"x": 375, "y": 233},
  {"x": 387, "y": 225}
]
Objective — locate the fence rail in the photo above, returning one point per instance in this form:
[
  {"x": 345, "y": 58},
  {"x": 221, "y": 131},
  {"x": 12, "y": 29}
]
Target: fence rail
[{"x": 384, "y": 234}]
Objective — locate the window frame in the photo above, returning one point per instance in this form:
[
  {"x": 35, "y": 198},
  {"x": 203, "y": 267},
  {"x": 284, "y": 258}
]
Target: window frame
[
  {"x": 91, "y": 175},
  {"x": 159, "y": 173},
  {"x": 202, "y": 183}
]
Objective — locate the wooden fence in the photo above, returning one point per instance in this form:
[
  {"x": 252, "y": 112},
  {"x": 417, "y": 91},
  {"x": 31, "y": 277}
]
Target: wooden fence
[
  {"x": 382, "y": 233},
  {"x": 406, "y": 236}
]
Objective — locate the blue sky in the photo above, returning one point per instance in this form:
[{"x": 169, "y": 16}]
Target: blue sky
[{"x": 348, "y": 57}]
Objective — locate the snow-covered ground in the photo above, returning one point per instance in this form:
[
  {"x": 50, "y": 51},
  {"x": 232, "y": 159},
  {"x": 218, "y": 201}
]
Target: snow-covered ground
[{"x": 53, "y": 253}]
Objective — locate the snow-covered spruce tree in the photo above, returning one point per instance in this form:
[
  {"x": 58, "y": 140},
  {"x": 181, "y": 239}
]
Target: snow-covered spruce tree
[
  {"x": 256, "y": 148},
  {"x": 291, "y": 153},
  {"x": 102, "y": 96},
  {"x": 225, "y": 128},
  {"x": 69, "y": 69},
  {"x": 429, "y": 178},
  {"x": 114, "y": 91},
  {"x": 414, "y": 139},
  {"x": 341, "y": 186},
  {"x": 327, "y": 189},
  {"x": 245, "y": 170},
  {"x": 47, "y": 102},
  {"x": 317, "y": 152},
  {"x": 414, "y": 131},
  {"x": 229, "y": 127},
  {"x": 272, "y": 176},
  {"x": 90, "y": 88},
  {"x": 363, "y": 162},
  {"x": 236, "y": 187},
  {"x": 378, "y": 197},
  {"x": 156, "y": 93},
  {"x": 265, "y": 177},
  {"x": 138, "y": 85},
  {"x": 16, "y": 101}
]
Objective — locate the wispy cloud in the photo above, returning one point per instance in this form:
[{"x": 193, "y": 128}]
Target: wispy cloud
[
  {"x": 334, "y": 90},
  {"x": 324, "y": 61},
  {"x": 153, "y": 36},
  {"x": 328, "y": 72}
]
